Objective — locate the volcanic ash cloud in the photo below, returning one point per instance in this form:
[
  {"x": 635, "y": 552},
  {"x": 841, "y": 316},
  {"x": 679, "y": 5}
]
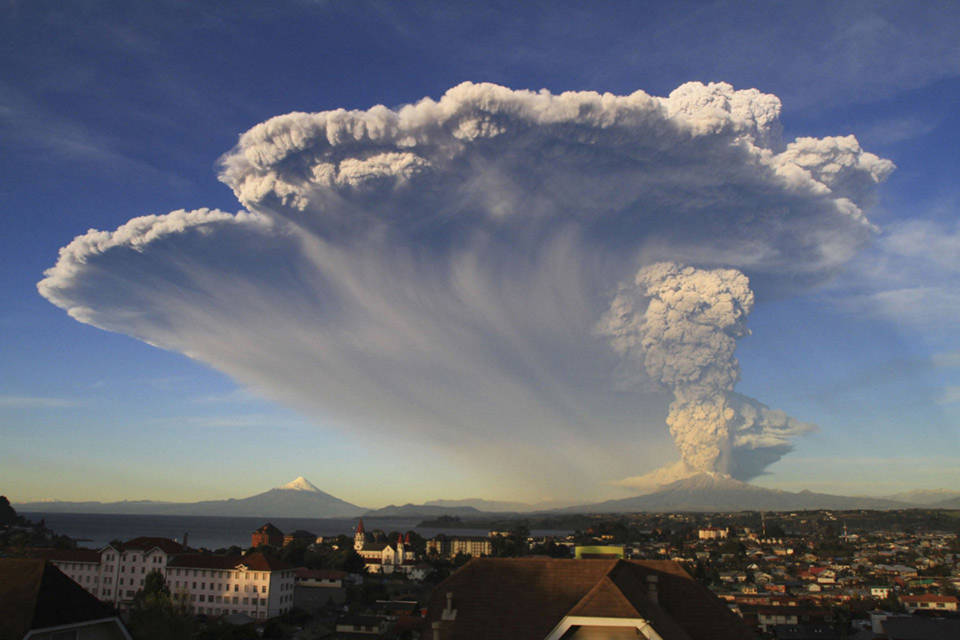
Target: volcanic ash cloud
[
  {"x": 438, "y": 273},
  {"x": 679, "y": 326}
]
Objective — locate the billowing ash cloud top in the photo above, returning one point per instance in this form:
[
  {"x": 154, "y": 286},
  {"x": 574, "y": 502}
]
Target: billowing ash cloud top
[{"x": 499, "y": 266}]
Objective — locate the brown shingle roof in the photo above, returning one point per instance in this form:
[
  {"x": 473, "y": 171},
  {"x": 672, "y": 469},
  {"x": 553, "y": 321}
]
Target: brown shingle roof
[
  {"x": 528, "y": 597},
  {"x": 145, "y": 543},
  {"x": 205, "y": 561},
  {"x": 66, "y": 555},
  {"x": 34, "y": 594},
  {"x": 260, "y": 561},
  {"x": 255, "y": 561}
]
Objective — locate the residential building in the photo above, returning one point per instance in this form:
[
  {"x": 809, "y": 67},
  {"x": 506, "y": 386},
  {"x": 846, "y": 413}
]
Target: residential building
[
  {"x": 115, "y": 574},
  {"x": 549, "y": 599},
  {"x": 39, "y": 602},
  {"x": 880, "y": 592},
  {"x": 317, "y": 588},
  {"x": 267, "y": 535},
  {"x": 255, "y": 584},
  {"x": 713, "y": 533},
  {"x": 598, "y": 552},
  {"x": 449, "y": 546},
  {"x": 929, "y": 602}
]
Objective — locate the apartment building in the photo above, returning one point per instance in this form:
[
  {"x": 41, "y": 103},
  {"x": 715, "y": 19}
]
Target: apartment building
[
  {"x": 256, "y": 584},
  {"x": 450, "y": 546}
]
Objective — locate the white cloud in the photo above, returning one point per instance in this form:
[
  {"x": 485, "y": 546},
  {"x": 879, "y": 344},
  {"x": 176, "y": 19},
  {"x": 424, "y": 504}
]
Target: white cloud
[
  {"x": 436, "y": 272},
  {"x": 911, "y": 277},
  {"x": 951, "y": 395}
]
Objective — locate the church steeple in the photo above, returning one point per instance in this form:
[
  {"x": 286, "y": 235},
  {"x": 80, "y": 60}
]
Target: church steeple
[{"x": 359, "y": 537}]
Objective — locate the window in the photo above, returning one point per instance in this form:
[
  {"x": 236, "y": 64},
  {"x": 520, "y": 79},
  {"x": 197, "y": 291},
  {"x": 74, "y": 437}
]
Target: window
[{"x": 236, "y": 587}]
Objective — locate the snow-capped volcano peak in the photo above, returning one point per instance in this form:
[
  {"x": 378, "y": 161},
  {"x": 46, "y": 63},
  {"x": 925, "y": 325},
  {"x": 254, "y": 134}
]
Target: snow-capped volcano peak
[{"x": 300, "y": 484}]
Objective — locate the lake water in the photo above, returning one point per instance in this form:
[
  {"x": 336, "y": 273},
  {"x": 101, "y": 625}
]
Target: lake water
[{"x": 215, "y": 532}]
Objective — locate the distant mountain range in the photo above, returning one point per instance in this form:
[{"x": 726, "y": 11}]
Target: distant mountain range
[
  {"x": 930, "y": 497},
  {"x": 494, "y": 506},
  {"x": 701, "y": 492},
  {"x": 297, "y": 499},
  {"x": 715, "y": 492}
]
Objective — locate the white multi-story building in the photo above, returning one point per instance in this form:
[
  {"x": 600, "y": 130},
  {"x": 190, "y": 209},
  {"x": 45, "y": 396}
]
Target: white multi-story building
[
  {"x": 115, "y": 574},
  {"x": 255, "y": 584}
]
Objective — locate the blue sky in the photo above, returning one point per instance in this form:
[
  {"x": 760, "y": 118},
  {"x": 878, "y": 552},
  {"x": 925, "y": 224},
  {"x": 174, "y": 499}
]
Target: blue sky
[{"x": 110, "y": 111}]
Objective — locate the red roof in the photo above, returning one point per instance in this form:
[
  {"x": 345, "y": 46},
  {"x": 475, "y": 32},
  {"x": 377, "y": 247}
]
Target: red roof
[
  {"x": 259, "y": 561},
  {"x": 146, "y": 543},
  {"x": 320, "y": 574},
  {"x": 256, "y": 561},
  {"x": 528, "y": 597},
  {"x": 929, "y": 597},
  {"x": 206, "y": 561},
  {"x": 68, "y": 555}
]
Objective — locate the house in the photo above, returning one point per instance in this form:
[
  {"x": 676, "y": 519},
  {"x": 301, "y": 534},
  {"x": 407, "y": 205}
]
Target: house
[
  {"x": 358, "y": 624},
  {"x": 713, "y": 533},
  {"x": 598, "y": 552},
  {"x": 317, "y": 588},
  {"x": 929, "y": 602},
  {"x": 39, "y": 602},
  {"x": 771, "y": 616},
  {"x": 880, "y": 592},
  {"x": 548, "y": 599},
  {"x": 267, "y": 535}
]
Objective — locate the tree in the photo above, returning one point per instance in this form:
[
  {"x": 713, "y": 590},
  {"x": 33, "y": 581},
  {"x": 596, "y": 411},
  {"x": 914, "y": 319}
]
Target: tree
[
  {"x": 155, "y": 615},
  {"x": 155, "y": 584},
  {"x": 353, "y": 563},
  {"x": 8, "y": 514}
]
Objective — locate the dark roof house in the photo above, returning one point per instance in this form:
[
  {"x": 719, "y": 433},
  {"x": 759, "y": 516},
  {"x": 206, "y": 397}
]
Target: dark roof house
[
  {"x": 38, "y": 601},
  {"x": 550, "y": 599}
]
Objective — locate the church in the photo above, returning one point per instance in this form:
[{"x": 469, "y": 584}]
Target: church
[{"x": 383, "y": 557}]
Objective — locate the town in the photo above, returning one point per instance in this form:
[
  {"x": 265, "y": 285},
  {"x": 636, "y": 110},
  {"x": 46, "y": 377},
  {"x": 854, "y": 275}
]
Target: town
[{"x": 790, "y": 576}]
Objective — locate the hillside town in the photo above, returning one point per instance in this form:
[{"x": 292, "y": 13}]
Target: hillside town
[{"x": 789, "y": 576}]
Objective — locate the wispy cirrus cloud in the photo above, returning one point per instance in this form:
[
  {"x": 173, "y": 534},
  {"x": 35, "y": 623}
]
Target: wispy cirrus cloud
[{"x": 438, "y": 271}]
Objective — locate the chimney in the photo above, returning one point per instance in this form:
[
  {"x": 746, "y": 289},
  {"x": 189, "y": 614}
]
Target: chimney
[
  {"x": 652, "y": 588},
  {"x": 449, "y": 613},
  {"x": 186, "y": 534},
  {"x": 436, "y": 630}
]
